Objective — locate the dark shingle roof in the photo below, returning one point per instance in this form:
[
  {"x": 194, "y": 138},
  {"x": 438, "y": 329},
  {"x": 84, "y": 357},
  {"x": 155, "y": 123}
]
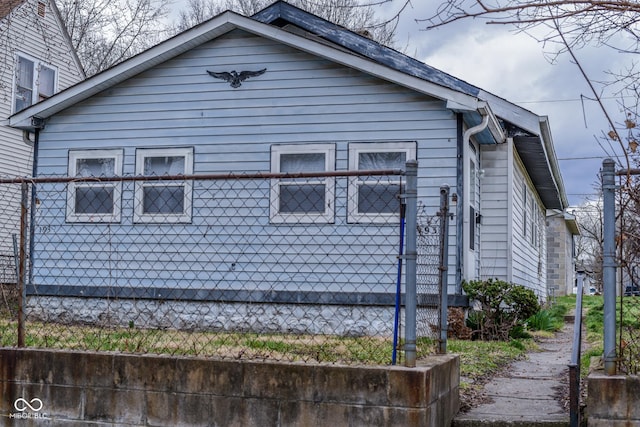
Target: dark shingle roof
[{"x": 282, "y": 13}]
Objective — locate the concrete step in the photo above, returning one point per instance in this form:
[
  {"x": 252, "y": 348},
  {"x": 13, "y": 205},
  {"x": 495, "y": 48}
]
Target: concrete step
[{"x": 464, "y": 422}]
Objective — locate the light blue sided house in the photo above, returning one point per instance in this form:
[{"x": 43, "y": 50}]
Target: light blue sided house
[{"x": 313, "y": 88}]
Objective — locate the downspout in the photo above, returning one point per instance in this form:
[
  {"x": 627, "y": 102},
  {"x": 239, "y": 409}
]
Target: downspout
[
  {"x": 459, "y": 200},
  {"x": 462, "y": 240}
]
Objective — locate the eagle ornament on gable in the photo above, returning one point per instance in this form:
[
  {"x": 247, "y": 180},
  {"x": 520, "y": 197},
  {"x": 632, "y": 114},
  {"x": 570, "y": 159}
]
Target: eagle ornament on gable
[{"x": 234, "y": 77}]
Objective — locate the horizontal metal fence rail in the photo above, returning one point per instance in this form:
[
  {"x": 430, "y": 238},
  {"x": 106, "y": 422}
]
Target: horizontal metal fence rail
[
  {"x": 204, "y": 177},
  {"x": 220, "y": 265}
]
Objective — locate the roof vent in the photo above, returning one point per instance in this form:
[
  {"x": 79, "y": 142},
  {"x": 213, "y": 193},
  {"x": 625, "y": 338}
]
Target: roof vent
[{"x": 42, "y": 7}]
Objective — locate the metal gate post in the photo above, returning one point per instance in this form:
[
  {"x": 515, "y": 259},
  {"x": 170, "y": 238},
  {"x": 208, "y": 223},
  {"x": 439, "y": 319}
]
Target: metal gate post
[
  {"x": 411, "y": 198},
  {"x": 443, "y": 267},
  {"x": 609, "y": 265},
  {"x": 22, "y": 264}
]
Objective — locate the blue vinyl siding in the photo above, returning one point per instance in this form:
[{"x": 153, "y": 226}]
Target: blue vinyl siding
[{"x": 300, "y": 99}]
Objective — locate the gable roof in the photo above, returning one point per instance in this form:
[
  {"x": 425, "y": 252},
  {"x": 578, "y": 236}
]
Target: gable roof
[
  {"x": 216, "y": 27},
  {"x": 304, "y": 31}
]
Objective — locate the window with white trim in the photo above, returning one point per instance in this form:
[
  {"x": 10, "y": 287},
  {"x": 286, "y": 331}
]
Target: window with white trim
[
  {"x": 34, "y": 81},
  {"x": 163, "y": 201},
  {"x": 535, "y": 218},
  {"x": 308, "y": 200},
  {"x": 94, "y": 201},
  {"x": 376, "y": 198}
]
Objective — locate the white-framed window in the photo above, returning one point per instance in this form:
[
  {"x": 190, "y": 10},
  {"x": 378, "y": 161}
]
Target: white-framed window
[
  {"x": 375, "y": 199},
  {"x": 163, "y": 201},
  {"x": 535, "y": 219},
  {"x": 94, "y": 201},
  {"x": 531, "y": 217},
  {"x": 305, "y": 200},
  {"x": 34, "y": 81}
]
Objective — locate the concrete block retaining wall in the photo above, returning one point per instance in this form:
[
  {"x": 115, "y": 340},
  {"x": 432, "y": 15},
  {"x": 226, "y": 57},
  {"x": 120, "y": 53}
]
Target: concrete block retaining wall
[
  {"x": 613, "y": 401},
  {"x": 46, "y": 388}
]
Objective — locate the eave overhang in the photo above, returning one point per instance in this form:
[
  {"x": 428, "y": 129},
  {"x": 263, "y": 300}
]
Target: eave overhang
[
  {"x": 572, "y": 224},
  {"x": 531, "y": 150}
]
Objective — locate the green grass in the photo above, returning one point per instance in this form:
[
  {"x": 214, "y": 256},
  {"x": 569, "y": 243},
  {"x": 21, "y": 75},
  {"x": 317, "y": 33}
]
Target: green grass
[
  {"x": 478, "y": 359},
  {"x": 290, "y": 347},
  {"x": 627, "y": 331},
  {"x": 482, "y": 358}
]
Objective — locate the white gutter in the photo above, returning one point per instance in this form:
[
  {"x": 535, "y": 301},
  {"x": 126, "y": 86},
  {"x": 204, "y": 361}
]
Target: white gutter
[{"x": 476, "y": 129}]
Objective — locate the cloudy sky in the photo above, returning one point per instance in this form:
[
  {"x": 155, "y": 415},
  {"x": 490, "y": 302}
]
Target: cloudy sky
[{"x": 514, "y": 66}]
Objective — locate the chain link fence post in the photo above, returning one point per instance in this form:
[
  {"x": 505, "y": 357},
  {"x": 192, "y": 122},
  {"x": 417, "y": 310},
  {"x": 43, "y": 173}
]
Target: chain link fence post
[
  {"x": 411, "y": 197},
  {"x": 609, "y": 265},
  {"x": 444, "y": 262},
  {"x": 22, "y": 264}
]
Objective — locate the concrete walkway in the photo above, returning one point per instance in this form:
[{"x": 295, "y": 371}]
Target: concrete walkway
[{"x": 525, "y": 393}]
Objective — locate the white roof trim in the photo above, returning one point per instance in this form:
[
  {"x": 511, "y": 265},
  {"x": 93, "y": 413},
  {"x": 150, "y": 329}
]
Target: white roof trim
[
  {"x": 513, "y": 113},
  {"x": 210, "y": 30},
  {"x": 545, "y": 129},
  {"x": 65, "y": 34}
]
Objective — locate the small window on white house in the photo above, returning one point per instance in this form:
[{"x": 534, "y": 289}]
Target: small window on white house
[
  {"x": 376, "y": 198},
  {"x": 306, "y": 200},
  {"x": 34, "y": 81},
  {"x": 535, "y": 218},
  {"x": 94, "y": 201},
  {"x": 163, "y": 201}
]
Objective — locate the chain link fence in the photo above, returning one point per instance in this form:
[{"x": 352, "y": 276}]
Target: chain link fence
[
  {"x": 629, "y": 319},
  {"x": 620, "y": 261},
  {"x": 428, "y": 274},
  {"x": 10, "y": 205},
  {"x": 284, "y": 267}
]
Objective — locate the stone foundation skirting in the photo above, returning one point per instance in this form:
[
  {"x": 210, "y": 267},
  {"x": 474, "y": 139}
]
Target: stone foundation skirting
[{"x": 342, "y": 320}]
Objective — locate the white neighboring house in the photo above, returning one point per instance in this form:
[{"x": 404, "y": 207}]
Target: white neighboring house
[{"x": 38, "y": 60}]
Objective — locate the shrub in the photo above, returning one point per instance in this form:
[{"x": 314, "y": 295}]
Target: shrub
[
  {"x": 541, "y": 321},
  {"x": 502, "y": 307},
  {"x": 519, "y": 332}
]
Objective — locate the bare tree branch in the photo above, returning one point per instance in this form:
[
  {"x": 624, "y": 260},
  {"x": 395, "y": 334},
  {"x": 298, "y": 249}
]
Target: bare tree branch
[
  {"x": 352, "y": 14},
  {"x": 583, "y": 21},
  {"x": 105, "y": 32}
]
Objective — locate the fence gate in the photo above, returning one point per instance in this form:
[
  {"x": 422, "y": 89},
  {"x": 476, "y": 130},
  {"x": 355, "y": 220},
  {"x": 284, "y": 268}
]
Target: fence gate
[{"x": 431, "y": 283}]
